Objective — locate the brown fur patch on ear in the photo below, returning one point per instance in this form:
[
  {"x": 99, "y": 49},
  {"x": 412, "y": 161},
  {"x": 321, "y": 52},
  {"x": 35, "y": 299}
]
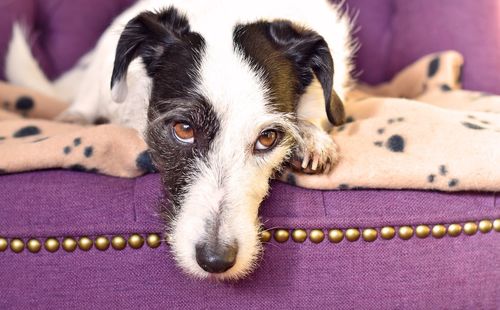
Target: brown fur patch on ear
[{"x": 335, "y": 110}]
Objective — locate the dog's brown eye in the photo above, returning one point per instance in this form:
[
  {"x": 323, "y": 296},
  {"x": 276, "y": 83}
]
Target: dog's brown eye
[
  {"x": 266, "y": 140},
  {"x": 183, "y": 132}
]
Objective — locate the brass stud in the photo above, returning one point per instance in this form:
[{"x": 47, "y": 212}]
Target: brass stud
[
  {"x": 370, "y": 234},
  {"x": 281, "y": 235},
  {"x": 3, "y": 244},
  {"x": 485, "y": 226},
  {"x": 316, "y": 236},
  {"x": 265, "y": 236},
  {"x": 335, "y": 235},
  {"x": 454, "y": 230},
  {"x": 16, "y": 245},
  {"x": 118, "y": 243},
  {"x": 352, "y": 234},
  {"x": 470, "y": 228},
  {"x": 422, "y": 231},
  {"x": 51, "y": 245},
  {"x": 387, "y": 232},
  {"x": 405, "y": 232},
  {"x": 496, "y": 225},
  {"x": 136, "y": 241},
  {"x": 153, "y": 240},
  {"x": 438, "y": 231},
  {"x": 34, "y": 245},
  {"x": 85, "y": 243},
  {"x": 69, "y": 244},
  {"x": 102, "y": 243},
  {"x": 299, "y": 235}
]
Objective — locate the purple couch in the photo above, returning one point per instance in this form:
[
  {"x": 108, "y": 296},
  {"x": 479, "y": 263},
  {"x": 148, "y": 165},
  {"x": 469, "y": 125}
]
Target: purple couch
[{"x": 400, "y": 249}]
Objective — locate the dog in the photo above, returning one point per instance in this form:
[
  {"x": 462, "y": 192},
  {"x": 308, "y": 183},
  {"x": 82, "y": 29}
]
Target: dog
[{"x": 225, "y": 93}]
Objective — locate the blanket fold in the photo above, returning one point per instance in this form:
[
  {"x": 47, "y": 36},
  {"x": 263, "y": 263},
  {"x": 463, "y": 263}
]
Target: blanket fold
[{"x": 418, "y": 131}]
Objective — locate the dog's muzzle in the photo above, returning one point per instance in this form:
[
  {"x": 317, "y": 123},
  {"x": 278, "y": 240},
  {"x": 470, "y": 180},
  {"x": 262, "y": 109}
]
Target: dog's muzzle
[{"x": 216, "y": 258}]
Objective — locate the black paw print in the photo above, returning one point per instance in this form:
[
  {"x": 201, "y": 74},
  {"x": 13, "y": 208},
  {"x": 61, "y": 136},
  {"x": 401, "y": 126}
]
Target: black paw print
[
  {"x": 474, "y": 123},
  {"x": 442, "y": 172},
  {"x": 395, "y": 143}
]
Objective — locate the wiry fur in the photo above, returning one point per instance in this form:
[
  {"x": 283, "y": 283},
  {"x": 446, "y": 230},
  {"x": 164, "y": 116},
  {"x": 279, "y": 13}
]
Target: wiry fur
[{"x": 196, "y": 61}]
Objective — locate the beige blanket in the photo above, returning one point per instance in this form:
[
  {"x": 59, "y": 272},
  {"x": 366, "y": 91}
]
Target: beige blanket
[{"x": 419, "y": 131}]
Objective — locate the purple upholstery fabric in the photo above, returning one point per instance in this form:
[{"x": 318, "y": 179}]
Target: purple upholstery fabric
[{"x": 461, "y": 272}]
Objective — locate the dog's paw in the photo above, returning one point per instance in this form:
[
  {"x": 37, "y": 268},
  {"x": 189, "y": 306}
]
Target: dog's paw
[
  {"x": 316, "y": 153},
  {"x": 72, "y": 118}
]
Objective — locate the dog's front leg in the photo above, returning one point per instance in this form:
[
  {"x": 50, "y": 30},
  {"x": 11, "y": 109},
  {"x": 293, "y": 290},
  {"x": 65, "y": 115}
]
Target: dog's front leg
[{"x": 316, "y": 152}]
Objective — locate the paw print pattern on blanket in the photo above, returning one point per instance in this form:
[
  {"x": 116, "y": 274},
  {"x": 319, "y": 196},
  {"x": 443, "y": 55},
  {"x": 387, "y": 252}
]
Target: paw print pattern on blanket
[
  {"x": 443, "y": 172},
  {"x": 395, "y": 143}
]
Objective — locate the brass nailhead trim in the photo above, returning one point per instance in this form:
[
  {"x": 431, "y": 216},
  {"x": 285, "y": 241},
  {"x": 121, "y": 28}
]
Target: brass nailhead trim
[
  {"x": 299, "y": 235},
  {"x": 34, "y": 246},
  {"x": 118, "y": 243},
  {"x": 405, "y": 232},
  {"x": 265, "y": 236},
  {"x": 69, "y": 244},
  {"x": 316, "y": 236},
  {"x": 85, "y": 243},
  {"x": 438, "y": 231},
  {"x": 52, "y": 245},
  {"x": 3, "y": 244},
  {"x": 454, "y": 230},
  {"x": 422, "y": 231},
  {"x": 17, "y": 245},
  {"x": 102, "y": 243},
  {"x": 496, "y": 225},
  {"x": 485, "y": 226},
  {"x": 281, "y": 235},
  {"x": 153, "y": 240},
  {"x": 335, "y": 235},
  {"x": 370, "y": 234},
  {"x": 136, "y": 241},
  {"x": 352, "y": 234},
  {"x": 470, "y": 228},
  {"x": 387, "y": 232}
]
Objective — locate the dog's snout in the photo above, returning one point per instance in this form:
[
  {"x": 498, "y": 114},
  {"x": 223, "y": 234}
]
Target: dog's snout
[{"x": 216, "y": 259}]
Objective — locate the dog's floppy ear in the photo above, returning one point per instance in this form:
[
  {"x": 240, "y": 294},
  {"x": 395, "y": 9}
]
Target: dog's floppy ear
[
  {"x": 310, "y": 53},
  {"x": 147, "y": 35}
]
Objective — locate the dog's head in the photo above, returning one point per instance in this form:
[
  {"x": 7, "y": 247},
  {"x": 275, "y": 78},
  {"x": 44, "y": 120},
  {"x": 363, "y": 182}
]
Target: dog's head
[{"x": 221, "y": 121}]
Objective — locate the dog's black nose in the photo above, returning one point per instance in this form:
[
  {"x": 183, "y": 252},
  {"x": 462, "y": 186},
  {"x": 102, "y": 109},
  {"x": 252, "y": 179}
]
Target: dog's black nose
[{"x": 216, "y": 258}]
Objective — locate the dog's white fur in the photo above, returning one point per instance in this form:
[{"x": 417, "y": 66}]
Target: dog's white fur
[{"x": 237, "y": 93}]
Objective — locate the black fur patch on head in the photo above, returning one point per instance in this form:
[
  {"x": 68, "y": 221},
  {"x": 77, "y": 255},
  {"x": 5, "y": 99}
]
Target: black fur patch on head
[
  {"x": 433, "y": 67},
  {"x": 167, "y": 46},
  {"x": 25, "y": 103},
  {"x": 289, "y": 56},
  {"x": 27, "y": 131},
  {"x": 176, "y": 160}
]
